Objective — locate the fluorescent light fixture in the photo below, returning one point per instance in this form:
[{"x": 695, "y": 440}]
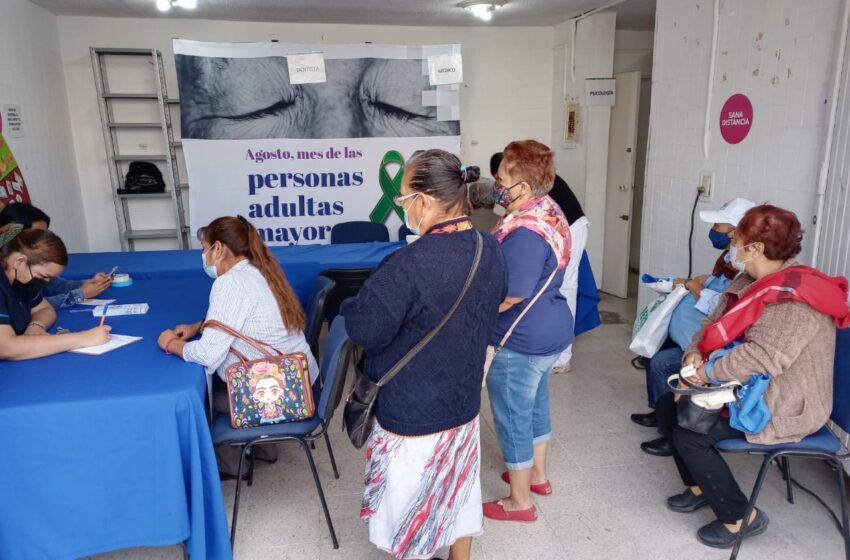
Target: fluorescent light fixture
[
  {"x": 482, "y": 10},
  {"x": 165, "y": 5}
]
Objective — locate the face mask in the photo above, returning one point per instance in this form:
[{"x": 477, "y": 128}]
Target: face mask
[
  {"x": 407, "y": 224},
  {"x": 718, "y": 240},
  {"x": 30, "y": 288},
  {"x": 209, "y": 269},
  {"x": 733, "y": 258},
  {"x": 504, "y": 198}
]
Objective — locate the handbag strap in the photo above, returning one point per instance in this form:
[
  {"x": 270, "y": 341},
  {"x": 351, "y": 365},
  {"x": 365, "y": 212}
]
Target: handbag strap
[
  {"x": 479, "y": 248},
  {"x": 261, "y": 347},
  {"x": 694, "y": 389},
  {"x": 510, "y": 331}
]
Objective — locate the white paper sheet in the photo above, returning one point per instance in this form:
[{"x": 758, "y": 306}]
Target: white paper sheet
[
  {"x": 96, "y": 302},
  {"x": 124, "y": 309},
  {"x": 115, "y": 341}
]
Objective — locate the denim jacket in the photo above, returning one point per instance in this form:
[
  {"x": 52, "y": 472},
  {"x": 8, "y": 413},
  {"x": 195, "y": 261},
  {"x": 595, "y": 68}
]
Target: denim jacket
[{"x": 64, "y": 293}]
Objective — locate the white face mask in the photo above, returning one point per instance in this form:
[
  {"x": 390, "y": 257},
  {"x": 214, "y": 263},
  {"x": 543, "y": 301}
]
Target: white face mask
[
  {"x": 400, "y": 202},
  {"x": 733, "y": 258}
]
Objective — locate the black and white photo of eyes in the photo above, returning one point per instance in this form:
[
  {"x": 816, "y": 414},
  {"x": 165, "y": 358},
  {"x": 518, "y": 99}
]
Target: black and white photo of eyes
[{"x": 247, "y": 98}]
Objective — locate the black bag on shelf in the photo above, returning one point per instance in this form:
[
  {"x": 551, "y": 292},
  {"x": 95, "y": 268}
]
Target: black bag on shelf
[{"x": 143, "y": 177}]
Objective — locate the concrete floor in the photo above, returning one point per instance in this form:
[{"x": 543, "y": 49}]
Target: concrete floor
[{"x": 608, "y": 500}]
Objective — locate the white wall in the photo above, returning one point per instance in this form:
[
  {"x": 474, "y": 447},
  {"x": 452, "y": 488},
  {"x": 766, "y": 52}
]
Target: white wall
[
  {"x": 31, "y": 76},
  {"x": 780, "y": 53},
  {"x": 585, "y": 166},
  {"x": 506, "y": 96}
]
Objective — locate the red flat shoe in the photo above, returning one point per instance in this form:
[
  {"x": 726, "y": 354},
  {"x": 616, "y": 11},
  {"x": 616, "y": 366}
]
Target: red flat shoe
[
  {"x": 495, "y": 510},
  {"x": 544, "y": 488}
]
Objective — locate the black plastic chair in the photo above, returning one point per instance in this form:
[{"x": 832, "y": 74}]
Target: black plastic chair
[
  {"x": 359, "y": 232},
  {"x": 333, "y": 372},
  {"x": 821, "y": 445},
  {"x": 322, "y": 287},
  {"x": 403, "y": 232},
  {"x": 348, "y": 282}
]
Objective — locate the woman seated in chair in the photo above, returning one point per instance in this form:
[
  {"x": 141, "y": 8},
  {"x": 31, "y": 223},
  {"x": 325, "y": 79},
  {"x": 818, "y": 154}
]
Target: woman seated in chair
[
  {"x": 30, "y": 259},
  {"x": 251, "y": 295},
  {"x": 784, "y": 316}
]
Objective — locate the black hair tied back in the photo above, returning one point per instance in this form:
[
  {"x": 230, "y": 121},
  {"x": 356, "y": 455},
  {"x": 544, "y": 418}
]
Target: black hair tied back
[{"x": 469, "y": 174}]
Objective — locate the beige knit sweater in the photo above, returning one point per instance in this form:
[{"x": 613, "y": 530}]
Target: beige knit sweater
[{"x": 794, "y": 344}]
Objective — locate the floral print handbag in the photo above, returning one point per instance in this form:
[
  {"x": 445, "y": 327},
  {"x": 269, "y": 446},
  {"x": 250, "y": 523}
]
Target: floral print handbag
[{"x": 270, "y": 390}]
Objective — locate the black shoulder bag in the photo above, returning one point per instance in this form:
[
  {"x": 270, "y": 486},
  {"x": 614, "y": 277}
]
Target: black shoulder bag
[{"x": 358, "y": 415}]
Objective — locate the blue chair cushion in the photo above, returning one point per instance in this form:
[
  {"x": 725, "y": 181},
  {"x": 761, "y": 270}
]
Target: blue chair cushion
[
  {"x": 222, "y": 432},
  {"x": 823, "y": 440}
]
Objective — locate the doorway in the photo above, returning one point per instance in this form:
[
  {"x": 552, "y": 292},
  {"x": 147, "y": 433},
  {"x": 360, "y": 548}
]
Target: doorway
[
  {"x": 633, "y": 52},
  {"x": 622, "y": 155}
]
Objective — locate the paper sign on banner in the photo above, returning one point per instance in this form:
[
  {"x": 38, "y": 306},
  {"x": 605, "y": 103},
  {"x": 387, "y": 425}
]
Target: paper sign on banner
[
  {"x": 306, "y": 68},
  {"x": 13, "y": 120},
  {"x": 445, "y": 69},
  {"x": 600, "y": 92}
]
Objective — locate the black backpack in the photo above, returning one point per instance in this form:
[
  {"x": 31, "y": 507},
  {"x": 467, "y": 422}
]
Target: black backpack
[{"x": 143, "y": 177}]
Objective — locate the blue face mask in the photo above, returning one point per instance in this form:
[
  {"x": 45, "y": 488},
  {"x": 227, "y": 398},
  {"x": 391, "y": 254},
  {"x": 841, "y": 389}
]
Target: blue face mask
[
  {"x": 718, "y": 240},
  {"x": 209, "y": 269}
]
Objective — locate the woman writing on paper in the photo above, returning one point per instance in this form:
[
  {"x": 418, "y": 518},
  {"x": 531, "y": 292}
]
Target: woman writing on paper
[
  {"x": 251, "y": 295},
  {"x": 30, "y": 259}
]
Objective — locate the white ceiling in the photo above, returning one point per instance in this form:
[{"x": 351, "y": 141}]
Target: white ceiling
[{"x": 632, "y": 14}]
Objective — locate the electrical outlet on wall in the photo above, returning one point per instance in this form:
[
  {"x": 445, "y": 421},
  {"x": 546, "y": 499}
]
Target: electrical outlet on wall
[{"x": 706, "y": 183}]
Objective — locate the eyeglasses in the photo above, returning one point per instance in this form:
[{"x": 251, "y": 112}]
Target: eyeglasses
[{"x": 397, "y": 200}]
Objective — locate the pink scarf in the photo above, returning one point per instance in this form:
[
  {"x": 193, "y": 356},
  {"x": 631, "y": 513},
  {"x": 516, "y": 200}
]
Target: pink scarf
[{"x": 543, "y": 217}]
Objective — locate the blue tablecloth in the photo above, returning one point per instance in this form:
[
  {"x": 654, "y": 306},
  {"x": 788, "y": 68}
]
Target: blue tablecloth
[
  {"x": 301, "y": 263},
  {"x": 102, "y": 453},
  {"x": 109, "y": 452}
]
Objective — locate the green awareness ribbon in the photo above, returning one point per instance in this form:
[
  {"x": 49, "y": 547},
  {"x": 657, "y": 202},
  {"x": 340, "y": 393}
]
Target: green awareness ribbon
[{"x": 390, "y": 187}]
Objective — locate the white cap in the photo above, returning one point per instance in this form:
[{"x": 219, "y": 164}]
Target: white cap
[{"x": 729, "y": 213}]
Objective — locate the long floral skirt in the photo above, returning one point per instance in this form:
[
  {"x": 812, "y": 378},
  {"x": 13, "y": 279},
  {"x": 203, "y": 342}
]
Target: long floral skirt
[{"x": 423, "y": 493}]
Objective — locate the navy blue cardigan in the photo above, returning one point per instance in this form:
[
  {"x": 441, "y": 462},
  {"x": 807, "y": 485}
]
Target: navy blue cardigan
[{"x": 408, "y": 294}]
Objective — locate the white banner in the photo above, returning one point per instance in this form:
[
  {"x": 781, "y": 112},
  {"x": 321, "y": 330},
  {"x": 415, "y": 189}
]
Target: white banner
[{"x": 295, "y": 159}]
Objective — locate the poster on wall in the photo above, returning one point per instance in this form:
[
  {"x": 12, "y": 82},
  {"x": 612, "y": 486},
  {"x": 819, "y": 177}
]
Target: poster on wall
[
  {"x": 13, "y": 188},
  {"x": 295, "y": 159},
  {"x": 736, "y": 118}
]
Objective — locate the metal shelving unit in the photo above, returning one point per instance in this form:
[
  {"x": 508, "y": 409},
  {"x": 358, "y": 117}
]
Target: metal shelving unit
[{"x": 127, "y": 233}]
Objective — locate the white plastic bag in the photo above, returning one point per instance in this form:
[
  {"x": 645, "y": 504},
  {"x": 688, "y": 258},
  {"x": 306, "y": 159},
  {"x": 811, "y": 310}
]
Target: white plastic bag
[{"x": 650, "y": 330}]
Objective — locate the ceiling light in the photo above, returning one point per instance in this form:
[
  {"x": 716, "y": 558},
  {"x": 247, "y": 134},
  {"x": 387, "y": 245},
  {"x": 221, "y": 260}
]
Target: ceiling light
[
  {"x": 165, "y": 5},
  {"x": 482, "y": 10}
]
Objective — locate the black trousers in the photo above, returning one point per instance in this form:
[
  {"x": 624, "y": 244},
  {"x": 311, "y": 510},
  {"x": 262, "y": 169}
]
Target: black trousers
[{"x": 700, "y": 464}]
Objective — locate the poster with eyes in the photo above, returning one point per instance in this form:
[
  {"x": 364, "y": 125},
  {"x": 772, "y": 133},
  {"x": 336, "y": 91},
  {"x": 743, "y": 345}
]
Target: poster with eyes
[
  {"x": 12, "y": 185},
  {"x": 297, "y": 158}
]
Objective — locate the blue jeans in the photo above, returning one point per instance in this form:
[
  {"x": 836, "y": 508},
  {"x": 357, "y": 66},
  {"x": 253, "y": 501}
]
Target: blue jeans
[
  {"x": 518, "y": 385},
  {"x": 662, "y": 365}
]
